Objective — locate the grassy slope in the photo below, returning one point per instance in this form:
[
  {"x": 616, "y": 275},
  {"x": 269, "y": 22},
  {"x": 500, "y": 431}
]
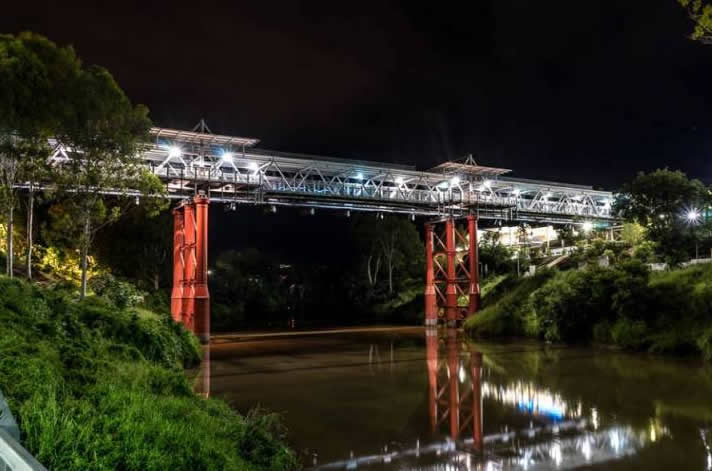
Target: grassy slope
[
  {"x": 94, "y": 387},
  {"x": 673, "y": 314}
]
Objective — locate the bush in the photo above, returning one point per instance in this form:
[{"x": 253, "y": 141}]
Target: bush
[{"x": 121, "y": 293}]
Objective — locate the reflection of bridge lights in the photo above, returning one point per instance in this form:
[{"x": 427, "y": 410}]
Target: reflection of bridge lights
[
  {"x": 594, "y": 418},
  {"x": 555, "y": 453},
  {"x": 586, "y": 449},
  {"x": 528, "y": 398},
  {"x": 616, "y": 440}
]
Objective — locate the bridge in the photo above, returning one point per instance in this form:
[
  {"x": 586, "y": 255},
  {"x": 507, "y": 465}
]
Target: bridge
[{"x": 199, "y": 168}]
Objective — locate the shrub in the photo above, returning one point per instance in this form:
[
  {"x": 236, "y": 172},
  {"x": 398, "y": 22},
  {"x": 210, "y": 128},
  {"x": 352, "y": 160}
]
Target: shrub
[{"x": 121, "y": 293}]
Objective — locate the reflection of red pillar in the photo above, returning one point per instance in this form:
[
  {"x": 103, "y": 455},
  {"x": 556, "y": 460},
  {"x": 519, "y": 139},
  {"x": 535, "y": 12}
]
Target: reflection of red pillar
[
  {"x": 474, "y": 290},
  {"x": 451, "y": 290},
  {"x": 431, "y": 354},
  {"x": 201, "y": 293},
  {"x": 189, "y": 264},
  {"x": 177, "y": 292},
  {"x": 431, "y": 301},
  {"x": 477, "y": 400},
  {"x": 453, "y": 365}
]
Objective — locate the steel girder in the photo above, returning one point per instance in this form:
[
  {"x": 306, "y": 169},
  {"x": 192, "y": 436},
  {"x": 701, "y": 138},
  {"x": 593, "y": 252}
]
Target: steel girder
[{"x": 232, "y": 171}]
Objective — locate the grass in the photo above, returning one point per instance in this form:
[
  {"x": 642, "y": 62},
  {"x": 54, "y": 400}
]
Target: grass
[{"x": 96, "y": 387}]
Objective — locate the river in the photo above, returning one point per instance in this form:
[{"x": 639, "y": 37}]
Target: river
[{"x": 396, "y": 399}]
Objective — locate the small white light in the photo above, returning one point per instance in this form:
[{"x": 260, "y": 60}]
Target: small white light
[
  {"x": 487, "y": 183},
  {"x": 693, "y": 215},
  {"x": 359, "y": 176},
  {"x": 253, "y": 166},
  {"x": 587, "y": 226},
  {"x": 516, "y": 192},
  {"x": 174, "y": 151},
  {"x": 399, "y": 180},
  {"x": 138, "y": 201},
  {"x": 455, "y": 180},
  {"x": 227, "y": 157}
]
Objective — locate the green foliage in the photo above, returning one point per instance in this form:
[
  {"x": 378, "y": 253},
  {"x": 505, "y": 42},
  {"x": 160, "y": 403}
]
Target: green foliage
[
  {"x": 121, "y": 293},
  {"x": 506, "y": 306},
  {"x": 95, "y": 387},
  {"x": 658, "y": 202},
  {"x": 701, "y": 14}
]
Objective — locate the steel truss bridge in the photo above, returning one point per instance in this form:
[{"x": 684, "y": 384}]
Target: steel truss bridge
[{"x": 233, "y": 171}]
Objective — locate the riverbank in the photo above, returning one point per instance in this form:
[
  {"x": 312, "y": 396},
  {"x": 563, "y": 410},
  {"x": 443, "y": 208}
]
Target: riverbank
[
  {"x": 97, "y": 387},
  {"x": 625, "y": 305}
]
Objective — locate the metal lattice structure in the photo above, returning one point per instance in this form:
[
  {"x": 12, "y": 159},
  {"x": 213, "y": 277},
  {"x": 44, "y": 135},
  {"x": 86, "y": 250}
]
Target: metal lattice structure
[{"x": 232, "y": 170}]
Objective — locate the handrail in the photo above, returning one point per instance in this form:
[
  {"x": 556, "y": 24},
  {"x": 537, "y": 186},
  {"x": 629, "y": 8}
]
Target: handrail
[{"x": 13, "y": 457}]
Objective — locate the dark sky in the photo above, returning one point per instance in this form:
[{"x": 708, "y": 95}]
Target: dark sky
[{"x": 580, "y": 91}]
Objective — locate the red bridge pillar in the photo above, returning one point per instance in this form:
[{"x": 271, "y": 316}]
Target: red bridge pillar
[
  {"x": 178, "y": 269},
  {"x": 190, "y": 298},
  {"x": 478, "y": 438},
  {"x": 474, "y": 291},
  {"x": 451, "y": 288},
  {"x": 201, "y": 304},
  {"x": 431, "y": 301}
]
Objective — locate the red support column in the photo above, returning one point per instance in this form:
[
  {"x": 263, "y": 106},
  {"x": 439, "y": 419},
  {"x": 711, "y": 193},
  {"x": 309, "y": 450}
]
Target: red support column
[
  {"x": 478, "y": 439},
  {"x": 189, "y": 263},
  {"x": 451, "y": 290},
  {"x": 453, "y": 366},
  {"x": 201, "y": 293},
  {"x": 431, "y": 300},
  {"x": 431, "y": 353},
  {"x": 474, "y": 291},
  {"x": 177, "y": 292}
]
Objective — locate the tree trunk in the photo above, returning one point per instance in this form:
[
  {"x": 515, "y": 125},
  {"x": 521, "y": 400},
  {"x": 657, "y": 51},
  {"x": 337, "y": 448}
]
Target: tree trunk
[
  {"x": 10, "y": 224},
  {"x": 30, "y": 215},
  {"x": 390, "y": 276},
  {"x": 85, "y": 255},
  {"x": 156, "y": 280}
]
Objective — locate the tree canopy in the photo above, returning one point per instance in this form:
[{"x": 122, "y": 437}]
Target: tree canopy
[{"x": 700, "y": 11}]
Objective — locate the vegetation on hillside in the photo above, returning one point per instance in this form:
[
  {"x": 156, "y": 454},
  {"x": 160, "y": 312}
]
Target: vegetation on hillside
[{"x": 95, "y": 386}]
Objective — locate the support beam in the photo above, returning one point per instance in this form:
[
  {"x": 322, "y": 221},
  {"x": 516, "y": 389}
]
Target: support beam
[
  {"x": 474, "y": 291},
  {"x": 178, "y": 268},
  {"x": 431, "y": 301},
  {"x": 189, "y": 266},
  {"x": 451, "y": 288},
  {"x": 201, "y": 294}
]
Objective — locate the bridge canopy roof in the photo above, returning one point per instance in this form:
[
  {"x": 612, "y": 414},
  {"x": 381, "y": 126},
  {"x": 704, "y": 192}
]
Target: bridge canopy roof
[
  {"x": 468, "y": 166},
  {"x": 201, "y": 138}
]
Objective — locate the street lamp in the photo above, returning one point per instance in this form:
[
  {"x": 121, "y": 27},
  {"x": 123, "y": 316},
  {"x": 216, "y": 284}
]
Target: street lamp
[{"x": 693, "y": 218}]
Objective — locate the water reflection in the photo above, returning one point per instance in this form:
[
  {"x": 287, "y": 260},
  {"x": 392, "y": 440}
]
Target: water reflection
[
  {"x": 565, "y": 436},
  {"x": 429, "y": 399}
]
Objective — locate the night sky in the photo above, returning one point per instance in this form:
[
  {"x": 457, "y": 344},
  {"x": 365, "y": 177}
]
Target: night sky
[{"x": 586, "y": 91}]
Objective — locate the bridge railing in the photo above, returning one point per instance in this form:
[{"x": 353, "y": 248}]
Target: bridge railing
[{"x": 13, "y": 457}]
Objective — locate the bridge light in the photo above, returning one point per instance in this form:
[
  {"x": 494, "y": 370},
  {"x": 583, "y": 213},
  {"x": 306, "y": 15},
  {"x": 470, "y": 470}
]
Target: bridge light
[
  {"x": 348, "y": 213},
  {"x": 138, "y": 201},
  {"x": 516, "y": 192},
  {"x": 455, "y": 180},
  {"x": 359, "y": 176},
  {"x": 174, "y": 151},
  {"x": 412, "y": 217},
  {"x": 253, "y": 166},
  {"x": 587, "y": 226},
  {"x": 487, "y": 183},
  {"x": 399, "y": 180},
  {"x": 227, "y": 157}
]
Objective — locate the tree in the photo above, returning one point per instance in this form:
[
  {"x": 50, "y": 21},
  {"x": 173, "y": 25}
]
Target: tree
[
  {"x": 659, "y": 201},
  {"x": 392, "y": 243},
  {"x": 105, "y": 134},
  {"x": 35, "y": 74},
  {"x": 701, "y": 14}
]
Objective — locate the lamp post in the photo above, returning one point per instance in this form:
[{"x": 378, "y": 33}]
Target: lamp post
[{"x": 693, "y": 218}]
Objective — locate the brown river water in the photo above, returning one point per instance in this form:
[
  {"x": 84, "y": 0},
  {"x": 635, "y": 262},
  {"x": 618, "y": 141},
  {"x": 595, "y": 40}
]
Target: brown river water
[{"x": 402, "y": 399}]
